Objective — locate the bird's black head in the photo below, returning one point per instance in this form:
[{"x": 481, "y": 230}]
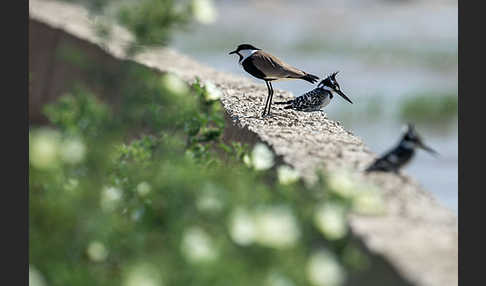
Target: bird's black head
[
  {"x": 330, "y": 83},
  {"x": 410, "y": 134},
  {"x": 243, "y": 47},
  {"x": 411, "y": 139}
]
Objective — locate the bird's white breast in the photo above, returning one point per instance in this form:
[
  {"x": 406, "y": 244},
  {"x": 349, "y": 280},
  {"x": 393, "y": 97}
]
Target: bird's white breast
[
  {"x": 326, "y": 101},
  {"x": 407, "y": 144}
]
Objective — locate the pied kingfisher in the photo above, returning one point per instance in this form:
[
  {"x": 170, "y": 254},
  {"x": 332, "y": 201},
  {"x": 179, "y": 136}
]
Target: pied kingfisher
[
  {"x": 399, "y": 156},
  {"x": 318, "y": 98}
]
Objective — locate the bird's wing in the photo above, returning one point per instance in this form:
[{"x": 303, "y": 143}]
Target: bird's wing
[
  {"x": 304, "y": 101},
  {"x": 380, "y": 164},
  {"x": 393, "y": 159},
  {"x": 388, "y": 162},
  {"x": 273, "y": 67}
]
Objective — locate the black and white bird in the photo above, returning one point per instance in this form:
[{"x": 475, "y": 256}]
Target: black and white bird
[
  {"x": 318, "y": 98},
  {"x": 399, "y": 156},
  {"x": 267, "y": 67}
]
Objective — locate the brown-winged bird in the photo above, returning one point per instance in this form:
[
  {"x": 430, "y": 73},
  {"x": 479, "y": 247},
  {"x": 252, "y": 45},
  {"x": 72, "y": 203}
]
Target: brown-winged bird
[{"x": 267, "y": 67}]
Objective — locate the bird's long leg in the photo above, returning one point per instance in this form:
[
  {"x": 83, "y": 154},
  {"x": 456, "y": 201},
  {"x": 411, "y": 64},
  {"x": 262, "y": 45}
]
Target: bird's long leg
[
  {"x": 271, "y": 98},
  {"x": 268, "y": 97}
]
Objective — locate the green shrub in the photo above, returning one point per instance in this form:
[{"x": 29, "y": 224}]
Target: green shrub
[
  {"x": 152, "y": 22},
  {"x": 170, "y": 208},
  {"x": 429, "y": 107}
]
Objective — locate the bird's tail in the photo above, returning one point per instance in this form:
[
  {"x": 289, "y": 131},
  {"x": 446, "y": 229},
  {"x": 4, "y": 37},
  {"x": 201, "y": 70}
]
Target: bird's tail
[
  {"x": 310, "y": 78},
  {"x": 284, "y": 102},
  {"x": 376, "y": 167}
]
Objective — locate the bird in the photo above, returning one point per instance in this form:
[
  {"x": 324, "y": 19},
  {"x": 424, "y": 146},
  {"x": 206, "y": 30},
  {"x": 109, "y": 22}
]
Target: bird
[
  {"x": 318, "y": 98},
  {"x": 267, "y": 67},
  {"x": 398, "y": 157}
]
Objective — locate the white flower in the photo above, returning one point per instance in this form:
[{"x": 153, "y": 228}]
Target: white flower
[
  {"x": 143, "y": 275},
  {"x": 262, "y": 157},
  {"x": 143, "y": 189},
  {"x": 209, "y": 199},
  {"x": 71, "y": 184},
  {"x": 341, "y": 183},
  {"x": 277, "y": 279},
  {"x": 247, "y": 160},
  {"x": 242, "y": 227},
  {"x": 189, "y": 155},
  {"x": 73, "y": 150},
  {"x": 209, "y": 203},
  {"x": 276, "y": 227},
  {"x": 44, "y": 146},
  {"x": 330, "y": 219},
  {"x": 174, "y": 84},
  {"x": 204, "y": 11},
  {"x": 110, "y": 198},
  {"x": 323, "y": 270},
  {"x": 97, "y": 251},
  {"x": 213, "y": 93},
  {"x": 369, "y": 201},
  {"x": 197, "y": 245},
  {"x": 287, "y": 175},
  {"x": 35, "y": 277}
]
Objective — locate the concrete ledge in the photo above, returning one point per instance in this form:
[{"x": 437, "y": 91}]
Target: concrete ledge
[{"x": 415, "y": 242}]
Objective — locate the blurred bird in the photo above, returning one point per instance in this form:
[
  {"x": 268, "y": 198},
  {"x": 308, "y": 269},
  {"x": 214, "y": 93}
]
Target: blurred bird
[
  {"x": 318, "y": 98},
  {"x": 399, "y": 156},
  {"x": 267, "y": 67}
]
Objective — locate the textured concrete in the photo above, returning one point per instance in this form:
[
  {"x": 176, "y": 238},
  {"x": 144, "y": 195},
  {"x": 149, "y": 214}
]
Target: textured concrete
[{"x": 417, "y": 237}]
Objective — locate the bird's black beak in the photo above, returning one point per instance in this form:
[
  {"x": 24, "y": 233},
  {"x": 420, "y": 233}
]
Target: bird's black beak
[
  {"x": 344, "y": 96},
  {"x": 233, "y": 52},
  {"x": 427, "y": 148}
]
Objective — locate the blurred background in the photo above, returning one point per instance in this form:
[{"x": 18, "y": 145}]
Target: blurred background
[
  {"x": 128, "y": 169},
  {"x": 397, "y": 61}
]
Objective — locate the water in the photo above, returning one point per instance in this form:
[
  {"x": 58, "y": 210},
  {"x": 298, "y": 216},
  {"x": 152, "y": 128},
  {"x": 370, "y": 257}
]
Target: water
[{"x": 384, "y": 51}]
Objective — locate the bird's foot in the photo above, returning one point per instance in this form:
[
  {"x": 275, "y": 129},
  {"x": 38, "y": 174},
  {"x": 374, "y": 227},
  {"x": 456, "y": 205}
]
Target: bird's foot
[{"x": 266, "y": 114}]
